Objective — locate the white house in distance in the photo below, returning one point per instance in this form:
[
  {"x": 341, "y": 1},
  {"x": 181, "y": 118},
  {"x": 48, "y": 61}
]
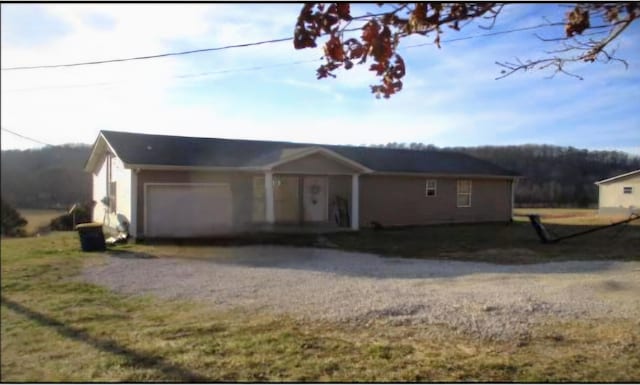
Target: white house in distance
[{"x": 619, "y": 195}]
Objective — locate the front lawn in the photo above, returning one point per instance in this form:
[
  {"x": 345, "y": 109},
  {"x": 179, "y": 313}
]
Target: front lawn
[
  {"x": 39, "y": 219},
  {"x": 516, "y": 242},
  {"x": 57, "y": 328}
]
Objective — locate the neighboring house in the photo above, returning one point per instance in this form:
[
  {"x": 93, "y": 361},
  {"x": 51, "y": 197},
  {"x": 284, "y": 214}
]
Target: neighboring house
[
  {"x": 619, "y": 195},
  {"x": 170, "y": 186}
]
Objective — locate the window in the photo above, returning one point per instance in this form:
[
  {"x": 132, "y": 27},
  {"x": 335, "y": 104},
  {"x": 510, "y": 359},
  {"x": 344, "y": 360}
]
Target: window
[
  {"x": 431, "y": 188},
  {"x": 112, "y": 196},
  {"x": 464, "y": 193},
  {"x": 627, "y": 190}
]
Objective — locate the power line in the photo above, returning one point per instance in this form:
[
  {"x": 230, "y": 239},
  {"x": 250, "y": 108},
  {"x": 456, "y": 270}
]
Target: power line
[
  {"x": 486, "y": 34},
  {"x": 236, "y": 46},
  {"x": 148, "y": 56},
  {"x": 184, "y": 76},
  {"x": 25, "y": 137},
  {"x": 255, "y": 68}
]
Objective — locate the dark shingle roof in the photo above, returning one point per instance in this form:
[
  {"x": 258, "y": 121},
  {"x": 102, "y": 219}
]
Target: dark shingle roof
[{"x": 144, "y": 149}]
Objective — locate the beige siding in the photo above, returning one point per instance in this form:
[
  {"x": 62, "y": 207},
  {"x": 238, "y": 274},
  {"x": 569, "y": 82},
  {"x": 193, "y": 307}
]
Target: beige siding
[
  {"x": 314, "y": 164},
  {"x": 401, "y": 200},
  {"x": 286, "y": 198},
  {"x": 241, "y": 191},
  {"x": 122, "y": 177},
  {"x": 612, "y": 198}
]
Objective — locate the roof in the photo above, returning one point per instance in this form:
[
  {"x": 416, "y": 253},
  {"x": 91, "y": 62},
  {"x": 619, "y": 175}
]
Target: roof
[
  {"x": 629, "y": 174},
  {"x": 142, "y": 150}
]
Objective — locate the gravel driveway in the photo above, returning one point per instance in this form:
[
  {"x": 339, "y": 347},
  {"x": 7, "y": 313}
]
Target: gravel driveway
[{"x": 494, "y": 301}]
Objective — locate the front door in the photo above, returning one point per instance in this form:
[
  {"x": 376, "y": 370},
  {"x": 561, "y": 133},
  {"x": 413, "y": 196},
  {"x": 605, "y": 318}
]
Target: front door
[{"x": 314, "y": 198}]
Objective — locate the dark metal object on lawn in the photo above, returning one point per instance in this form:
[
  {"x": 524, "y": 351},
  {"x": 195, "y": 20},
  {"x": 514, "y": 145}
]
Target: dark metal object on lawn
[{"x": 544, "y": 236}]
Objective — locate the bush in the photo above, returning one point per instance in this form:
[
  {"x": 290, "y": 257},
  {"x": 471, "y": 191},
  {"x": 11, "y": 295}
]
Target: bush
[
  {"x": 65, "y": 222},
  {"x": 12, "y": 221}
]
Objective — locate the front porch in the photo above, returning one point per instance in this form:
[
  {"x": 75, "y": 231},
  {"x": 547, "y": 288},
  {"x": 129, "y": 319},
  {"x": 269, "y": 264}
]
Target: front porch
[{"x": 310, "y": 190}]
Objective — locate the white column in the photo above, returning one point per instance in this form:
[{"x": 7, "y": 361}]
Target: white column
[
  {"x": 133, "y": 221},
  {"x": 268, "y": 195},
  {"x": 514, "y": 182},
  {"x": 355, "y": 202}
]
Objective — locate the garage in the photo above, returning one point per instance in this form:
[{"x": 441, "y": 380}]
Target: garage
[{"x": 187, "y": 210}]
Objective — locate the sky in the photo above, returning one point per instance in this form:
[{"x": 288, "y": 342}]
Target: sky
[{"x": 270, "y": 91}]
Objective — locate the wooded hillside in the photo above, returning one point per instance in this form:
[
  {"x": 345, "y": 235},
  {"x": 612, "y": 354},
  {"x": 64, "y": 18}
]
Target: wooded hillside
[{"x": 53, "y": 177}]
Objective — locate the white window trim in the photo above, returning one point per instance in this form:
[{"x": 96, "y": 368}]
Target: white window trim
[
  {"x": 458, "y": 193},
  {"x": 435, "y": 188}
]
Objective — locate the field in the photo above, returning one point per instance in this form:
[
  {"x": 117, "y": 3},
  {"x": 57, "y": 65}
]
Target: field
[
  {"x": 56, "y": 327},
  {"x": 38, "y": 219}
]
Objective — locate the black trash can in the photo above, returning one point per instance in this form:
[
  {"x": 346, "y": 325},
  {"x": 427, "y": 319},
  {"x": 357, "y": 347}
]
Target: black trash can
[{"x": 91, "y": 236}]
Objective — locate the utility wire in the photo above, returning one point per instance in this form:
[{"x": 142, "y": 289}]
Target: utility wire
[
  {"x": 239, "y": 46},
  {"x": 184, "y": 76},
  {"x": 148, "y": 56},
  {"x": 256, "y": 68},
  {"x": 486, "y": 34},
  {"x": 24, "y": 137}
]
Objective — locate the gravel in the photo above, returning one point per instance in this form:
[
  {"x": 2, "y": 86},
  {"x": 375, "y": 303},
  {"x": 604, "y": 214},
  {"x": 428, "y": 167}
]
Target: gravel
[{"x": 488, "y": 300}]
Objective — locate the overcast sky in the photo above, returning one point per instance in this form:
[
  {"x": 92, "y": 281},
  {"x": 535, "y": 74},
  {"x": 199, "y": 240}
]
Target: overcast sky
[{"x": 451, "y": 97}]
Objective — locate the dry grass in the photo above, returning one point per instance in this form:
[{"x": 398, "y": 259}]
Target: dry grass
[
  {"x": 512, "y": 243},
  {"x": 56, "y": 328},
  {"x": 572, "y": 217},
  {"x": 38, "y": 219}
]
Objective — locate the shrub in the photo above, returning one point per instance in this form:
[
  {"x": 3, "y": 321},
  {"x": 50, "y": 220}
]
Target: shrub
[
  {"x": 12, "y": 221},
  {"x": 65, "y": 222}
]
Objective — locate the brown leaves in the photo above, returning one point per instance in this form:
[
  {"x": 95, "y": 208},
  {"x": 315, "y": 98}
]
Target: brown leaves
[
  {"x": 391, "y": 82},
  {"x": 577, "y": 21},
  {"x": 380, "y": 35},
  {"x": 314, "y": 21}
]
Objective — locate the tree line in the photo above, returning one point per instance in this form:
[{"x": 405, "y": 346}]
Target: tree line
[
  {"x": 552, "y": 176},
  {"x": 50, "y": 177}
]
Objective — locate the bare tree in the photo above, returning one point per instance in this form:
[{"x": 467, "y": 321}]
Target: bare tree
[{"x": 383, "y": 31}]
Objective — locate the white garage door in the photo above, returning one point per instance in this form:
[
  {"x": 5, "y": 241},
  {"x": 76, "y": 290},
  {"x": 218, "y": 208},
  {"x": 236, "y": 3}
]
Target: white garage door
[{"x": 187, "y": 210}]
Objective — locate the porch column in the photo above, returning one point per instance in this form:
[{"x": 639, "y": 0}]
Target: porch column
[
  {"x": 355, "y": 202},
  {"x": 133, "y": 221},
  {"x": 268, "y": 195},
  {"x": 514, "y": 182}
]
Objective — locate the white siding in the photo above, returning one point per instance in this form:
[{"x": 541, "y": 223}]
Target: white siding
[
  {"x": 122, "y": 177},
  {"x": 100, "y": 191}
]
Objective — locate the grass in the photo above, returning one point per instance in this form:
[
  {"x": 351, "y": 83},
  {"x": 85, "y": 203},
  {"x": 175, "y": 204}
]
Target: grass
[
  {"x": 512, "y": 243},
  {"x": 38, "y": 219},
  {"x": 516, "y": 242},
  {"x": 57, "y": 328}
]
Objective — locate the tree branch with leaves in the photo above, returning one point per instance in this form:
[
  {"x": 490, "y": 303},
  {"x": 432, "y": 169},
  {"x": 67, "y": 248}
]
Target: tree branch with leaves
[{"x": 382, "y": 33}]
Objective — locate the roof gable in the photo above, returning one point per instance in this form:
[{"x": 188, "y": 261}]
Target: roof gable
[
  {"x": 336, "y": 161},
  {"x": 619, "y": 177},
  {"x": 101, "y": 147},
  {"x": 143, "y": 150},
  {"x": 317, "y": 159}
]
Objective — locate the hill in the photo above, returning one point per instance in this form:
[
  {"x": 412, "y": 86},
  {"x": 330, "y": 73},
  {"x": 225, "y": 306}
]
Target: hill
[{"x": 50, "y": 177}]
